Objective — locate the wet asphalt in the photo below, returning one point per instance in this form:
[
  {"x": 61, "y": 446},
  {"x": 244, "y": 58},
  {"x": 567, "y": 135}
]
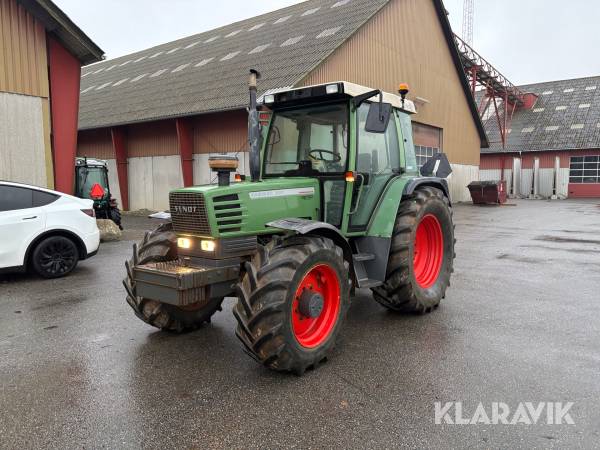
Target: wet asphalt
[{"x": 520, "y": 323}]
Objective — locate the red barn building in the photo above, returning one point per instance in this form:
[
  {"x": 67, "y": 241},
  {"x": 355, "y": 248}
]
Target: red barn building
[
  {"x": 41, "y": 54},
  {"x": 553, "y": 149}
]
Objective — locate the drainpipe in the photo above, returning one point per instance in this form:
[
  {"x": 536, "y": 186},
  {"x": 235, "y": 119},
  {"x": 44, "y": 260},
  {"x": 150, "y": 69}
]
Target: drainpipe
[
  {"x": 520, "y": 172},
  {"x": 185, "y": 141}
]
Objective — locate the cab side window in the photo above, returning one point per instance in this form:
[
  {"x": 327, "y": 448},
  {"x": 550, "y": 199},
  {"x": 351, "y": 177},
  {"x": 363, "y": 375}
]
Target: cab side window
[{"x": 14, "y": 198}]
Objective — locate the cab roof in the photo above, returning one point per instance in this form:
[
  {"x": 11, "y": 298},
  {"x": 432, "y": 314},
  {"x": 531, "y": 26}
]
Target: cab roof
[
  {"x": 81, "y": 161},
  {"x": 345, "y": 89}
]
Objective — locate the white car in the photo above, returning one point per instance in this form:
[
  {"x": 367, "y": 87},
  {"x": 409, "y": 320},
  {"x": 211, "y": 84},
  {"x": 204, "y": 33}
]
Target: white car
[{"x": 44, "y": 230}]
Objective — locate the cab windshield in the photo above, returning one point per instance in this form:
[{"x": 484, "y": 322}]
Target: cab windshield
[
  {"x": 87, "y": 177},
  {"x": 308, "y": 141}
]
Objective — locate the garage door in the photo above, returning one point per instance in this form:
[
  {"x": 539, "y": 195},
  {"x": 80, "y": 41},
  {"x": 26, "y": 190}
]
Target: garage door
[
  {"x": 428, "y": 142},
  {"x": 584, "y": 176}
]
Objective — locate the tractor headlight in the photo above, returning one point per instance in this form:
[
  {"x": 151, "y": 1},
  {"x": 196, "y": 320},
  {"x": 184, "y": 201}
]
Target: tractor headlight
[
  {"x": 208, "y": 246},
  {"x": 184, "y": 243},
  {"x": 269, "y": 99}
]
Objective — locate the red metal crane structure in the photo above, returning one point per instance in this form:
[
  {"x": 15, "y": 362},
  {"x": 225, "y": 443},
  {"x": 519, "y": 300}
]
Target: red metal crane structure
[{"x": 496, "y": 97}]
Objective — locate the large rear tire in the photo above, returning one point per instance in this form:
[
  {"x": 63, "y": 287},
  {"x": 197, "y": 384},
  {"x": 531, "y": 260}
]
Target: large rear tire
[
  {"x": 160, "y": 245},
  {"x": 115, "y": 216},
  {"x": 292, "y": 302},
  {"x": 421, "y": 256}
]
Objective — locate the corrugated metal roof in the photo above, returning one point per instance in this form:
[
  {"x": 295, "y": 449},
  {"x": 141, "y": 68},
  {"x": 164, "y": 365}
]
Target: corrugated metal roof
[
  {"x": 565, "y": 117},
  {"x": 208, "y": 72}
]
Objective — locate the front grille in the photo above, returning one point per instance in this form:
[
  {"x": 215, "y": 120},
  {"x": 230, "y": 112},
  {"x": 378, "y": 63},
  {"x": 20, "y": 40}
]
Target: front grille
[
  {"x": 239, "y": 246},
  {"x": 229, "y": 213},
  {"x": 188, "y": 213}
]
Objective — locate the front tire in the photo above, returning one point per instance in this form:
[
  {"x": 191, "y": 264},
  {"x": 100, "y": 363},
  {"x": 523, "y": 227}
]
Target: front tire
[
  {"x": 160, "y": 245},
  {"x": 55, "y": 257},
  {"x": 421, "y": 256},
  {"x": 292, "y": 302}
]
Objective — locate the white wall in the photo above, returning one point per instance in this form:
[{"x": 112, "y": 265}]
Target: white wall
[
  {"x": 496, "y": 175},
  {"x": 204, "y": 175},
  {"x": 151, "y": 179},
  {"x": 563, "y": 183},
  {"x": 545, "y": 181},
  {"x": 526, "y": 182},
  {"x": 22, "y": 149},
  {"x": 462, "y": 176}
]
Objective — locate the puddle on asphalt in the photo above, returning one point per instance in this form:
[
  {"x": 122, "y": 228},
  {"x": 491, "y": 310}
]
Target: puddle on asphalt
[
  {"x": 562, "y": 249},
  {"x": 560, "y": 239},
  {"x": 523, "y": 259}
]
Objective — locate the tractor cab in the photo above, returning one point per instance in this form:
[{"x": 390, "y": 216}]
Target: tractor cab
[
  {"x": 337, "y": 133},
  {"x": 91, "y": 182}
]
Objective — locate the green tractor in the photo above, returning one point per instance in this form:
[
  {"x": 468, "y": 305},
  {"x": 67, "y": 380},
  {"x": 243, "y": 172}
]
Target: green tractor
[
  {"x": 335, "y": 202},
  {"x": 91, "y": 182}
]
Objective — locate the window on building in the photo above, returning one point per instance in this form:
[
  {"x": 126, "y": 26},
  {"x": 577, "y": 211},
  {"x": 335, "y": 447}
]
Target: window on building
[
  {"x": 424, "y": 153},
  {"x": 584, "y": 169},
  {"x": 428, "y": 142}
]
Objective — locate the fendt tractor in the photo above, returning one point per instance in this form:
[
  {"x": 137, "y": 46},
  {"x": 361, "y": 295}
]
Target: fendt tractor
[
  {"x": 91, "y": 182},
  {"x": 335, "y": 202}
]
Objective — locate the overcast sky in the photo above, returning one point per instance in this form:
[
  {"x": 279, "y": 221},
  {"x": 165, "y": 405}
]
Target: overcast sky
[{"x": 527, "y": 40}]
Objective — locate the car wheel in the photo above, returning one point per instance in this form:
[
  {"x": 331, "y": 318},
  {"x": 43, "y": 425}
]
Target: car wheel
[{"x": 55, "y": 257}]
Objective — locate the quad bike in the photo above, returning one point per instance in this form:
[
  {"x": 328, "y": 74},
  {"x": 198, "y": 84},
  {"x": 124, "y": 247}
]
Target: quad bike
[{"x": 335, "y": 202}]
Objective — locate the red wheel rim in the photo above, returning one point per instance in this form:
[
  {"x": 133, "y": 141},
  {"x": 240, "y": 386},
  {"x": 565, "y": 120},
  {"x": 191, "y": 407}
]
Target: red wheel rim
[
  {"x": 312, "y": 332},
  {"x": 429, "y": 251}
]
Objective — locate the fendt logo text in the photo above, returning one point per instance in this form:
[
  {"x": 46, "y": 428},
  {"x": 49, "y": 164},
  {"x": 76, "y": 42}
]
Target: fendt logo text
[
  {"x": 185, "y": 209},
  {"x": 498, "y": 413}
]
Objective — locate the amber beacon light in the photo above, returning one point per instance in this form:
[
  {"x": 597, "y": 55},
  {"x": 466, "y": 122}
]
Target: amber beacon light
[{"x": 403, "y": 90}]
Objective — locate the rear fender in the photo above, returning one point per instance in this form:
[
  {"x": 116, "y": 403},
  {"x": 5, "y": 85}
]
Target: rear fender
[
  {"x": 439, "y": 183},
  {"x": 398, "y": 190}
]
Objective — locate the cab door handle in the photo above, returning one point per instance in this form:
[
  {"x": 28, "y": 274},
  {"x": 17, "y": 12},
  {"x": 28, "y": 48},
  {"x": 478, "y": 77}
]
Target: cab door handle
[{"x": 30, "y": 218}]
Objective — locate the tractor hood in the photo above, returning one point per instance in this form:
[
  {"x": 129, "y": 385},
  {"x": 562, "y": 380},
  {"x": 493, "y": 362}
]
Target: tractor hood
[{"x": 243, "y": 209}]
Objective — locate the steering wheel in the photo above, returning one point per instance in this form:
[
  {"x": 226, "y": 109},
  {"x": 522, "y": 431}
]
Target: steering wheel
[{"x": 336, "y": 158}]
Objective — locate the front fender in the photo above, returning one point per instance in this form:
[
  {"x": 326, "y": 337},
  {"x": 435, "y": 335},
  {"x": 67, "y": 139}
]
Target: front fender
[{"x": 304, "y": 226}]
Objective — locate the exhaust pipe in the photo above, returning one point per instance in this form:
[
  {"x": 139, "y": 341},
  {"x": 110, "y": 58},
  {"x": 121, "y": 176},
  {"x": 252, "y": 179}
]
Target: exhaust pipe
[{"x": 254, "y": 128}]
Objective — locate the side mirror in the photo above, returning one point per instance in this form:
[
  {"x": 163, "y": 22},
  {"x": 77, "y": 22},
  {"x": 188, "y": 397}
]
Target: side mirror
[{"x": 379, "y": 117}]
